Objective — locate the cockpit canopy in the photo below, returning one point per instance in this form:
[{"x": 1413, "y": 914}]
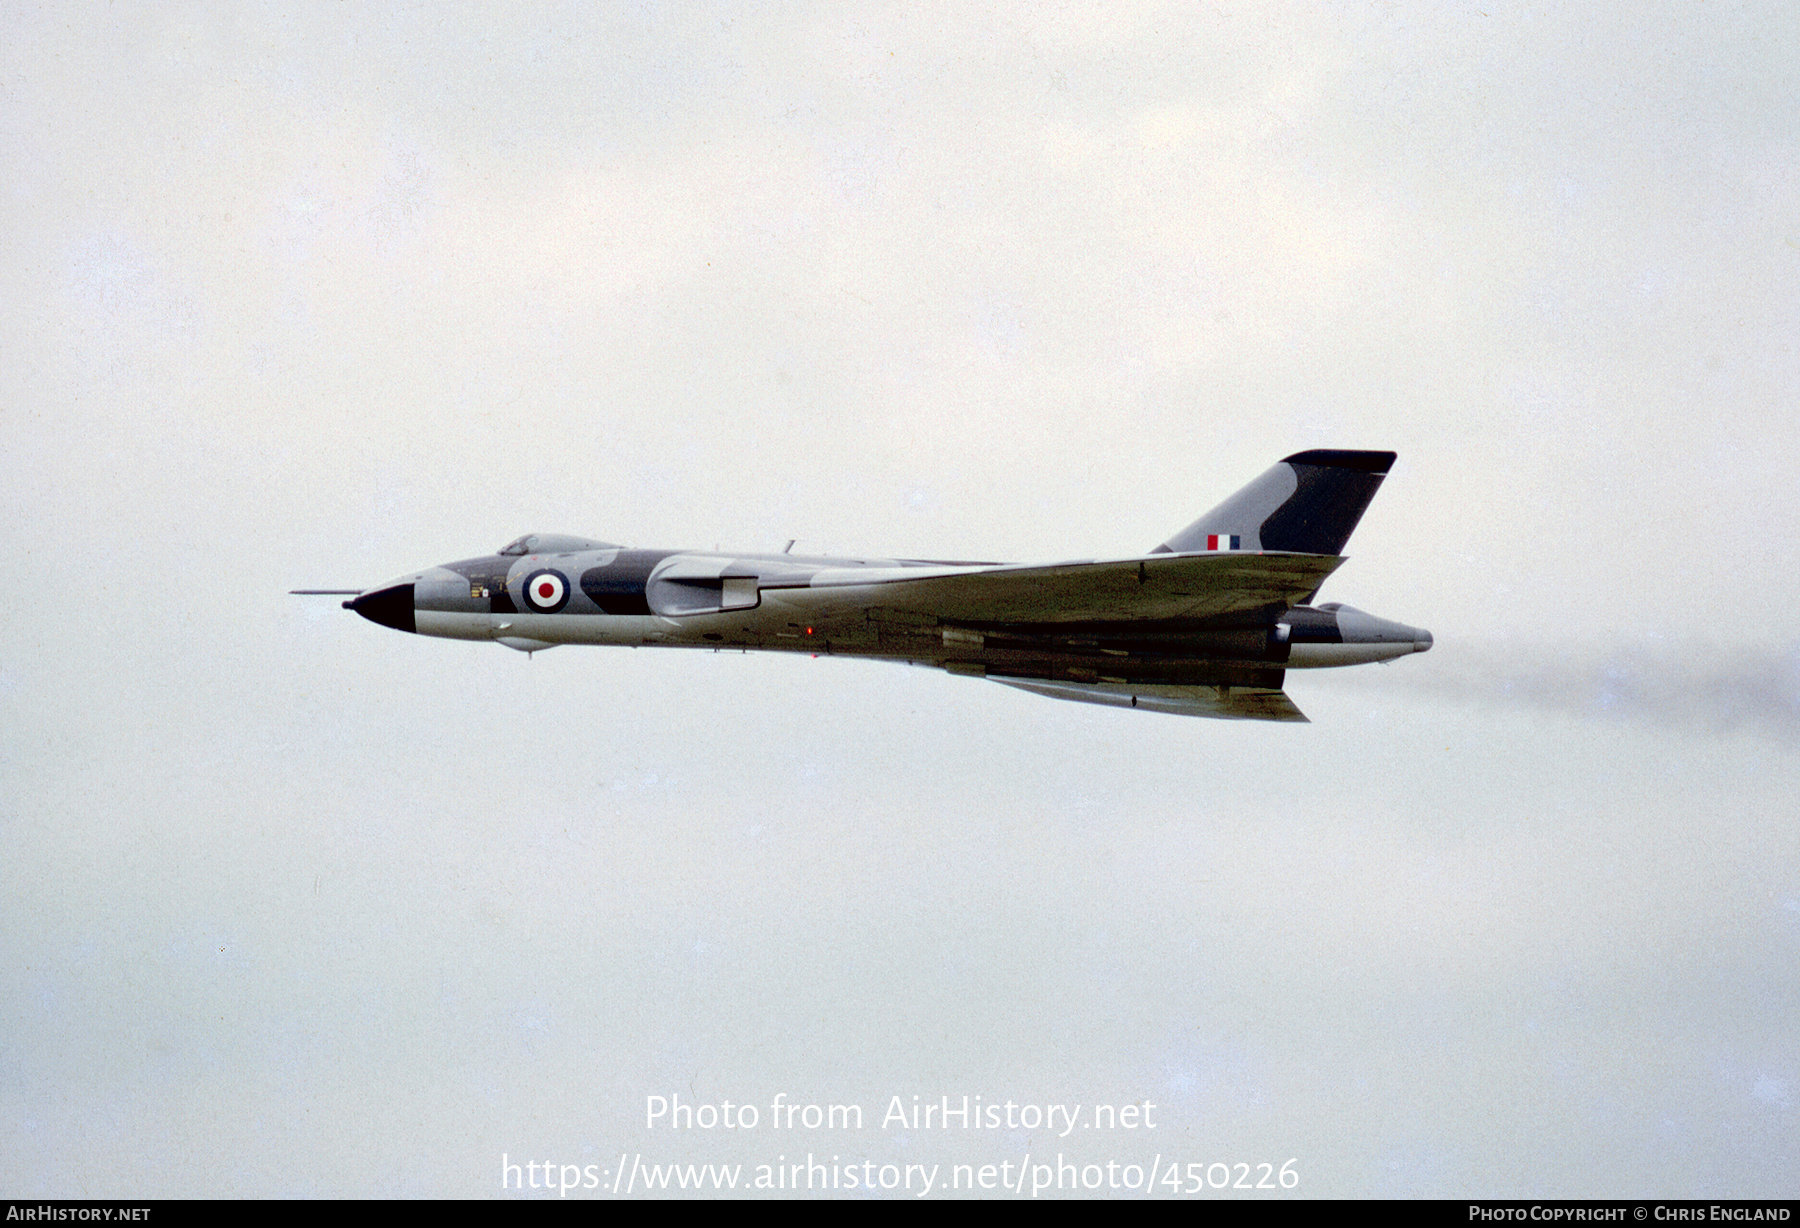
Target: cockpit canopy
[{"x": 552, "y": 543}]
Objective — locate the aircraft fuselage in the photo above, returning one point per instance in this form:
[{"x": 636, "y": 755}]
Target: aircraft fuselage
[
  {"x": 850, "y": 607},
  {"x": 1206, "y": 624}
]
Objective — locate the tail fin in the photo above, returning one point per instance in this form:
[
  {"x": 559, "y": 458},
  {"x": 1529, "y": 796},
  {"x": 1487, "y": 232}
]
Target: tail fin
[{"x": 1309, "y": 503}]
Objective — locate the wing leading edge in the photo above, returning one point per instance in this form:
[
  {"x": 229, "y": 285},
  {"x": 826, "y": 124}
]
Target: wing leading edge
[{"x": 1153, "y": 588}]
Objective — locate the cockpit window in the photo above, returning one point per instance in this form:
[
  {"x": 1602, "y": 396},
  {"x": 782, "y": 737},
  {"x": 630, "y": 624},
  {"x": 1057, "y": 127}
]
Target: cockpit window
[{"x": 552, "y": 543}]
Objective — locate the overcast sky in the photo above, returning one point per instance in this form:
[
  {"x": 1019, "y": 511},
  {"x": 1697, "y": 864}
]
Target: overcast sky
[{"x": 291, "y": 904}]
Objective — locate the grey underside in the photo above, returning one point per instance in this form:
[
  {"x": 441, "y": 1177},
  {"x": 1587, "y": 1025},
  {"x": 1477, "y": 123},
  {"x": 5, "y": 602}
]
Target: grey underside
[{"x": 1218, "y": 702}]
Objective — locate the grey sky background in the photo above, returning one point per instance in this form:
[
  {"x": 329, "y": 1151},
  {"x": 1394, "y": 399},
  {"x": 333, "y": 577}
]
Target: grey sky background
[{"x": 296, "y": 905}]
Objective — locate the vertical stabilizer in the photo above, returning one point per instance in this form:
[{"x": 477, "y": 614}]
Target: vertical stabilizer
[{"x": 1308, "y": 503}]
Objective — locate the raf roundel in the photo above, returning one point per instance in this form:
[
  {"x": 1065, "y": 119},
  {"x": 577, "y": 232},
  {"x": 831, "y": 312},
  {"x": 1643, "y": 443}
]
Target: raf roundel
[{"x": 546, "y": 591}]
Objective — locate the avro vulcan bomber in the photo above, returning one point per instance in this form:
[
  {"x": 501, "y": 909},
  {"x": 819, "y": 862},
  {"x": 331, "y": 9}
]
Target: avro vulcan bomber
[{"x": 1206, "y": 624}]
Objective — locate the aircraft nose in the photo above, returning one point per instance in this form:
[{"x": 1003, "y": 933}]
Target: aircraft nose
[
  {"x": 1422, "y": 641},
  {"x": 391, "y": 607}
]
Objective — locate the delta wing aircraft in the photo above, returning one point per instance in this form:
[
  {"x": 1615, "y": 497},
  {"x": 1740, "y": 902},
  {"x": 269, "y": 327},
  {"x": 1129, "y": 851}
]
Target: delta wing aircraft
[{"x": 1206, "y": 624}]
